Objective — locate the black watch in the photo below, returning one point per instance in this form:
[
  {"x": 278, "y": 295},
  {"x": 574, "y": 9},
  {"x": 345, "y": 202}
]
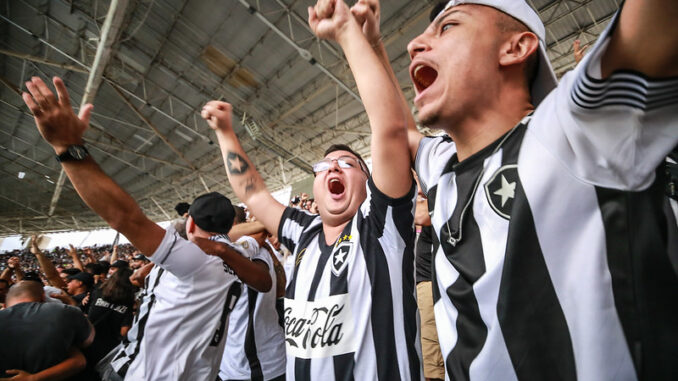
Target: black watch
[{"x": 73, "y": 153}]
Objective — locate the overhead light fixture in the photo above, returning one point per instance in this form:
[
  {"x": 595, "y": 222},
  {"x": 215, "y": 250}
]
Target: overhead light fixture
[{"x": 21, "y": 175}]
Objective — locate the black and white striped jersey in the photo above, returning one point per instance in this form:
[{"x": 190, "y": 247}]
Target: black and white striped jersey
[
  {"x": 255, "y": 345},
  {"x": 553, "y": 240},
  {"x": 179, "y": 330},
  {"x": 350, "y": 309}
]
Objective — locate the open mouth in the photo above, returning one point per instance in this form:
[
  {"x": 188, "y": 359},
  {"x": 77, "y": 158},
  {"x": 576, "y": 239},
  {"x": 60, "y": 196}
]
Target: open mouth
[
  {"x": 423, "y": 76},
  {"x": 336, "y": 187}
]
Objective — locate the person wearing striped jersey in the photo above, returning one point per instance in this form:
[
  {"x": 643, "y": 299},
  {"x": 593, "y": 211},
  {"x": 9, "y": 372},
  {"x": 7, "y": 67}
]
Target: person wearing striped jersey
[
  {"x": 350, "y": 309},
  {"x": 179, "y": 331},
  {"x": 548, "y": 198}
]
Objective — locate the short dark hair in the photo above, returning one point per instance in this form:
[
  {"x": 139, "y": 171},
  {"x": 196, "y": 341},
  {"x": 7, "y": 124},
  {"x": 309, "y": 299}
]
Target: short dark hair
[
  {"x": 344, "y": 147},
  {"x": 240, "y": 215},
  {"x": 71, "y": 271},
  {"x": 94, "y": 268},
  {"x": 182, "y": 208}
]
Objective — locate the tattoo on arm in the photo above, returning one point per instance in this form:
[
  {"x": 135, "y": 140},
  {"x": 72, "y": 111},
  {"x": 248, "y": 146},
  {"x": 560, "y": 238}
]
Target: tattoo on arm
[
  {"x": 237, "y": 165},
  {"x": 250, "y": 185}
]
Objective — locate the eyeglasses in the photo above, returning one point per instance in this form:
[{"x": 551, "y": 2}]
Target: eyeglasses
[{"x": 344, "y": 162}]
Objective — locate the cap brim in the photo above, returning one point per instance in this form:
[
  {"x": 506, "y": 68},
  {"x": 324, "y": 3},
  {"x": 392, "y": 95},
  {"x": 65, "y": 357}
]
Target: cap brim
[{"x": 545, "y": 80}]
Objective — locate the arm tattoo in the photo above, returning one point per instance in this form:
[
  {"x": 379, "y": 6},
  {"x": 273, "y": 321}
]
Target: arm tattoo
[
  {"x": 236, "y": 164},
  {"x": 250, "y": 185}
]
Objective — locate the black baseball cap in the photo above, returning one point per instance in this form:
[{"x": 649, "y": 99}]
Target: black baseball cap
[
  {"x": 86, "y": 278},
  {"x": 140, "y": 257},
  {"x": 213, "y": 213},
  {"x": 120, "y": 264}
]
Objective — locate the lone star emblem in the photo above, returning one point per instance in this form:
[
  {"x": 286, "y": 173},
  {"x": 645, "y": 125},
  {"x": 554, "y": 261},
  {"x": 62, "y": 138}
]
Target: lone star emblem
[
  {"x": 340, "y": 256},
  {"x": 500, "y": 190},
  {"x": 507, "y": 190}
]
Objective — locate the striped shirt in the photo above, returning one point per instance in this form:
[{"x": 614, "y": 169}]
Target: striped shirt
[
  {"x": 350, "y": 310},
  {"x": 178, "y": 333},
  {"x": 553, "y": 240},
  {"x": 255, "y": 346}
]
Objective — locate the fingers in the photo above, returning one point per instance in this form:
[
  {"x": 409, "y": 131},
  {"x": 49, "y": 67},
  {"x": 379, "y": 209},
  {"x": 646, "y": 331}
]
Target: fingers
[
  {"x": 28, "y": 100},
  {"x": 324, "y": 8},
  {"x": 64, "y": 98},
  {"x": 45, "y": 97},
  {"x": 312, "y": 18},
  {"x": 85, "y": 113}
]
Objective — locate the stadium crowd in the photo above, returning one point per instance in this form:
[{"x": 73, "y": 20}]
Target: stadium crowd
[{"x": 536, "y": 240}]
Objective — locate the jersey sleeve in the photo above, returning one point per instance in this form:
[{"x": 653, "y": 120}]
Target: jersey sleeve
[
  {"x": 432, "y": 155},
  {"x": 389, "y": 220},
  {"x": 180, "y": 257},
  {"x": 292, "y": 223},
  {"x": 248, "y": 246},
  {"x": 610, "y": 132}
]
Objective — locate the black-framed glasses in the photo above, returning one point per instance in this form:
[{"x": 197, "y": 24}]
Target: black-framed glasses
[{"x": 344, "y": 162}]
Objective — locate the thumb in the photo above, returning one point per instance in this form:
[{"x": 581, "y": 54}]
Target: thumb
[
  {"x": 12, "y": 371},
  {"x": 85, "y": 113},
  {"x": 312, "y": 18}
]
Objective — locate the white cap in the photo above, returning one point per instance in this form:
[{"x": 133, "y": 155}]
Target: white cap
[{"x": 545, "y": 80}]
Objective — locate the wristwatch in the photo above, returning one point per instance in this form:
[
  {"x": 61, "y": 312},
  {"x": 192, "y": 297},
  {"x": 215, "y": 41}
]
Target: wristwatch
[{"x": 73, "y": 153}]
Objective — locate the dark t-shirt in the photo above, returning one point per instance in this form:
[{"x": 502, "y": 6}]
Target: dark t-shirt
[
  {"x": 423, "y": 251},
  {"x": 78, "y": 299},
  {"x": 107, "y": 319},
  {"x": 36, "y": 336}
]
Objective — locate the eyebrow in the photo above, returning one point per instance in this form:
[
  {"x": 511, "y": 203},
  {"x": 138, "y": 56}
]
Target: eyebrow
[{"x": 446, "y": 13}]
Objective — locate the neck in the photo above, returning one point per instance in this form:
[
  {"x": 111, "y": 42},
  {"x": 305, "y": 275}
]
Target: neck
[
  {"x": 476, "y": 130},
  {"x": 333, "y": 232}
]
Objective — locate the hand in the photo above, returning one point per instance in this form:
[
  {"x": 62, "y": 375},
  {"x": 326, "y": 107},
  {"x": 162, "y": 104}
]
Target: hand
[
  {"x": 324, "y": 8},
  {"x": 578, "y": 51},
  {"x": 330, "y": 28},
  {"x": 56, "y": 121},
  {"x": 34, "y": 244},
  {"x": 64, "y": 298},
  {"x": 20, "y": 375},
  {"x": 368, "y": 14},
  {"x": 13, "y": 262},
  {"x": 218, "y": 115}
]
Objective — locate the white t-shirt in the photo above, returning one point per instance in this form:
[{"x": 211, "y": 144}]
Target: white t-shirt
[
  {"x": 179, "y": 331},
  {"x": 255, "y": 346},
  {"x": 553, "y": 252}
]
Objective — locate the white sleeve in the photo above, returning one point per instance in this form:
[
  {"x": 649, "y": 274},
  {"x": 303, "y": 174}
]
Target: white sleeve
[
  {"x": 611, "y": 132},
  {"x": 433, "y": 154},
  {"x": 247, "y": 246},
  {"x": 180, "y": 257}
]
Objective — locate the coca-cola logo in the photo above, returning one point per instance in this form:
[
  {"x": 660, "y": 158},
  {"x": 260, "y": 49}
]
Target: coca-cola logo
[{"x": 320, "y": 328}]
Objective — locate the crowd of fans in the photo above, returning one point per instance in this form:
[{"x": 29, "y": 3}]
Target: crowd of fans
[{"x": 204, "y": 300}]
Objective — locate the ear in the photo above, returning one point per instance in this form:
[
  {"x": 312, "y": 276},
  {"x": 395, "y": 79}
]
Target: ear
[
  {"x": 518, "y": 48},
  {"x": 190, "y": 225}
]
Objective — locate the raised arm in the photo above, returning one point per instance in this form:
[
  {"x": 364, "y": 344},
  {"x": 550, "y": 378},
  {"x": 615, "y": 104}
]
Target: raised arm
[
  {"x": 244, "y": 178},
  {"x": 114, "y": 255},
  {"x": 247, "y": 228},
  {"x": 645, "y": 39},
  {"x": 47, "y": 266},
  {"x": 73, "y": 253},
  {"x": 381, "y": 98},
  {"x": 61, "y": 128},
  {"x": 253, "y": 273},
  {"x": 139, "y": 277},
  {"x": 367, "y": 13}
]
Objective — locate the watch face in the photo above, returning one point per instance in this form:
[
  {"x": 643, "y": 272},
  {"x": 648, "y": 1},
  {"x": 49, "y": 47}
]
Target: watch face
[{"x": 78, "y": 152}]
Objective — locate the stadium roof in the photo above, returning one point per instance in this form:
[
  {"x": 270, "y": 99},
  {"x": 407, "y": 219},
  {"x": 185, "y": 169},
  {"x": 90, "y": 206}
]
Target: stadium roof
[{"x": 161, "y": 60}]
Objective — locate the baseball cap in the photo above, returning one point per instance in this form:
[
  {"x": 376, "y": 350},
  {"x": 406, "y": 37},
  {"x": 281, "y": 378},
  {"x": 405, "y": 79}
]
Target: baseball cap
[
  {"x": 86, "y": 278},
  {"x": 545, "y": 80},
  {"x": 213, "y": 213},
  {"x": 121, "y": 264},
  {"x": 140, "y": 257}
]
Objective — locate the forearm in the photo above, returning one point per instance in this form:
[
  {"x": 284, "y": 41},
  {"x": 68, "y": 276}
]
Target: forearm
[
  {"x": 645, "y": 40},
  {"x": 74, "y": 363},
  {"x": 114, "y": 255},
  {"x": 77, "y": 263},
  {"x": 247, "y": 183},
  {"x": 248, "y": 228},
  {"x": 113, "y": 204},
  {"x": 18, "y": 273},
  {"x": 50, "y": 271},
  {"x": 139, "y": 277},
  {"x": 248, "y": 271},
  {"x": 7, "y": 275}
]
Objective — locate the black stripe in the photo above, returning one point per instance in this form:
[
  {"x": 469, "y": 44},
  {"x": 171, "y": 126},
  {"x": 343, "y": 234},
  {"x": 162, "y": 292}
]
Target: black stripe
[
  {"x": 302, "y": 366},
  {"x": 304, "y": 241},
  {"x": 467, "y": 258},
  {"x": 383, "y": 332},
  {"x": 436, "y": 246},
  {"x": 643, "y": 281},
  {"x": 231, "y": 299},
  {"x": 250, "y": 344},
  {"x": 142, "y": 325},
  {"x": 345, "y": 363},
  {"x": 532, "y": 321}
]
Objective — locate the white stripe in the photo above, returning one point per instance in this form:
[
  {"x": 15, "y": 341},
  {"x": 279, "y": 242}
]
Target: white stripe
[{"x": 572, "y": 237}]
